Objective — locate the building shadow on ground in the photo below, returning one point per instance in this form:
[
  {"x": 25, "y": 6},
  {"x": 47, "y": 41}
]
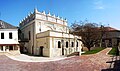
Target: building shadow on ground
[{"x": 114, "y": 64}]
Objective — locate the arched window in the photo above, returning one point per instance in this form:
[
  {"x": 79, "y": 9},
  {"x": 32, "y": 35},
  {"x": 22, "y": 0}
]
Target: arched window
[
  {"x": 67, "y": 44},
  {"x": 72, "y": 44},
  {"x": 59, "y": 44},
  {"x": 77, "y": 44}
]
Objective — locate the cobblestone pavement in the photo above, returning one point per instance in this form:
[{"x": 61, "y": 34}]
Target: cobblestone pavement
[
  {"x": 94, "y": 62},
  {"x": 27, "y": 58}
]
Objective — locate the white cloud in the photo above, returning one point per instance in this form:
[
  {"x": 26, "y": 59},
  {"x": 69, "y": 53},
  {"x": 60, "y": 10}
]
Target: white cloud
[{"x": 98, "y": 4}]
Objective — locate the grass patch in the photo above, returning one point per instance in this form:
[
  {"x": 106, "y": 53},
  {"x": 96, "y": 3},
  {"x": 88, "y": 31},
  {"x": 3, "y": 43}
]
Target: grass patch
[
  {"x": 113, "y": 51},
  {"x": 93, "y": 51}
]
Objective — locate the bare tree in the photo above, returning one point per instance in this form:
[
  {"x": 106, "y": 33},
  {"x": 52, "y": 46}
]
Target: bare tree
[{"x": 90, "y": 33}]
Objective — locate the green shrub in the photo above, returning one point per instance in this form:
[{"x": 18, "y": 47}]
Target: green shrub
[{"x": 113, "y": 51}]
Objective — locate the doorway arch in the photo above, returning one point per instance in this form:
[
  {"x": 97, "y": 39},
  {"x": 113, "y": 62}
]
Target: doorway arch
[{"x": 41, "y": 50}]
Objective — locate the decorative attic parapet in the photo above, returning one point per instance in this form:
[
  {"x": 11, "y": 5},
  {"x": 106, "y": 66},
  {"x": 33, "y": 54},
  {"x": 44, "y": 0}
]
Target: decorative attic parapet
[
  {"x": 27, "y": 19},
  {"x": 43, "y": 16}
]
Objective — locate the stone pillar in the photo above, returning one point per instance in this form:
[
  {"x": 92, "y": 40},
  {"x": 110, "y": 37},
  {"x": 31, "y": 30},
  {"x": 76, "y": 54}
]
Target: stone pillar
[
  {"x": 75, "y": 45},
  {"x": 3, "y": 48},
  {"x": 50, "y": 46},
  {"x": 13, "y": 48},
  {"x": 7, "y": 49},
  {"x": 80, "y": 47},
  {"x": 68, "y": 43},
  {"x": 18, "y": 47}
]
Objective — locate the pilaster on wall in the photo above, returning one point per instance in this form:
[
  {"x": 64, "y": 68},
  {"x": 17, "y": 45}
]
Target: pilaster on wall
[
  {"x": 34, "y": 49},
  {"x": 75, "y": 44},
  {"x": 50, "y": 46},
  {"x": 80, "y": 47}
]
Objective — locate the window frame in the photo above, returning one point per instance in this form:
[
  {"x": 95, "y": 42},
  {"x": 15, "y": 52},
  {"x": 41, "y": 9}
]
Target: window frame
[
  {"x": 10, "y": 35},
  {"x": 67, "y": 44},
  {"x": 72, "y": 44},
  {"x": 59, "y": 44},
  {"x": 77, "y": 44},
  {"x": 2, "y": 35}
]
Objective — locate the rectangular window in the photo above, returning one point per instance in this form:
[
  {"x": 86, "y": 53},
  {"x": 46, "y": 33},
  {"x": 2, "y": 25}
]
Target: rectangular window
[
  {"x": 2, "y": 35},
  {"x": 66, "y": 44},
  {"x": 72, "y": 44},
  {"x": 59, "y": 44},
  {"x": 10, "y": 35},
  {"x": 29, "y": 35}
]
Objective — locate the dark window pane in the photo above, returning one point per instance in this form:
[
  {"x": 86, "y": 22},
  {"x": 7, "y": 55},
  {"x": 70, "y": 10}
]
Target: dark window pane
[
  {"x": 66, "y": 44},
  {"x": 72, "y": 44},
  {"x": 59, "y": 44},
  {"x": 2, "y": 35},
  {"x": 77, "y": 44},
  {"x": 10, "y": 35}
]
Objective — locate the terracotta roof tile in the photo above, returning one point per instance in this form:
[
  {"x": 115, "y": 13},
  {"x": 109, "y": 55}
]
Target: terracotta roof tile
[{"x": 110, "y": 29}]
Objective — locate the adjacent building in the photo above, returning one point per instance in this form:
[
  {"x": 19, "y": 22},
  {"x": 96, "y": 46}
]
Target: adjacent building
[
  {"x": 8, "y": 37},
  {"x": 47, "y": 35},
  {"x": 111, "y": 37}
]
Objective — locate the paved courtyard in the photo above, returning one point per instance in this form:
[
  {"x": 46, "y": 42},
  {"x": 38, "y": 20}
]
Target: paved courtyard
[{"x": 94, "y": 62}]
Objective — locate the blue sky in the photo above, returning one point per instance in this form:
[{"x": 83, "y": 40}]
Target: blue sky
[{"x": 104, "y": 11}]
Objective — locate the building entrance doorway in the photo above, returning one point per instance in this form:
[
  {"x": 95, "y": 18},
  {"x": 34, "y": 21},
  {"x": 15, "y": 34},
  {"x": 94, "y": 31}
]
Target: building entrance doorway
[
  {"x": 41, "y": 50},
  {"x": 10, "y": 47}
]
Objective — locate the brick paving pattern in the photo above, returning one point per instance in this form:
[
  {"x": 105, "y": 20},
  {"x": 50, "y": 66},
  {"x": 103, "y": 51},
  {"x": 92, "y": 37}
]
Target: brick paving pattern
[{"x": 94, "y": 62}]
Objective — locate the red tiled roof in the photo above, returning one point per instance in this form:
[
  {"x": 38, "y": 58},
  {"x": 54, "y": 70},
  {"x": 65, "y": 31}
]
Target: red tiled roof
[{"x": 110, "y": 29}]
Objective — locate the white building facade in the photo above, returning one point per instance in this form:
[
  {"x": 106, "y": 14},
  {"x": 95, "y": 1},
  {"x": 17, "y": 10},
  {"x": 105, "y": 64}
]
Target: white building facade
[
  {"x": 8, "y": 38},
  {"x": 48, "y": 35}
]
